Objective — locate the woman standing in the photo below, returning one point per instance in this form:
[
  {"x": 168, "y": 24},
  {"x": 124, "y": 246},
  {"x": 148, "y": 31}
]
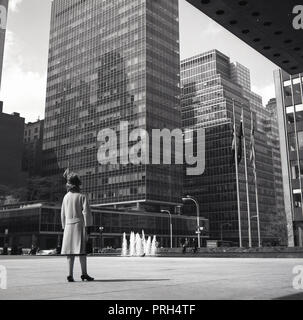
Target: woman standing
[{"x": 76, "y": 217}]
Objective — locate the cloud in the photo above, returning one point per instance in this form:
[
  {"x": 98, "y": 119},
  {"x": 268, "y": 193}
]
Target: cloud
[
  {"x": 14, "y": 5},
  {"x": 22, "y": 91},
  {"x": 212, "y": 29},
  {"x": 267, "y": 92}
]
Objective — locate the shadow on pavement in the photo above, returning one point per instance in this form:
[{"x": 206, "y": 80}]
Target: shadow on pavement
[
  {"x": 132, "y": 280},
  {"x": 297, "y": 296}
]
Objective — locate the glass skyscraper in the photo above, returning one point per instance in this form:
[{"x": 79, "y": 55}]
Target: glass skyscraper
[
  {"x": 272, "y": 128},
  {"x": 112, "y": 61},
  {"x": 211, "y": 85},
  {"x": 289, "y": 92}
]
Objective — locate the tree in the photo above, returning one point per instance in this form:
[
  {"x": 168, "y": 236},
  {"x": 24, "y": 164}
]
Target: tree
[{"x": 49, "y": 189}]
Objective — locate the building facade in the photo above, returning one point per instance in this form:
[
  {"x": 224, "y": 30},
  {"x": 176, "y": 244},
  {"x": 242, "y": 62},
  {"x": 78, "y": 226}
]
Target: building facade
[
  {"x": 32, "y": 151},
  {"x": 272, "y": 129},
  {"x": 11, "y": 144},
  {"x": 211, "y": 86},
  {"x": 290, "y": 115},
  {"x": 112, "y": 61},
  {"x": 40, "y": 225}
]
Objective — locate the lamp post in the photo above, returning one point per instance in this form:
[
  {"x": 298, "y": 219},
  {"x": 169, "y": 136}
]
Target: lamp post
[
  {"x": 259, "y": 233},
  {"x": 5, "y": 247},
  {"x": 101, "y": 229},
  {"x": 171, "y": 226},
  {"x": 189, "y": 198},
  {"x": 221, "y": 227}
]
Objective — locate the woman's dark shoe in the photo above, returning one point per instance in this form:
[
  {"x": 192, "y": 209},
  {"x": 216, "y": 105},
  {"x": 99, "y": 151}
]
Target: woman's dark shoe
[
  {"x": 87, "y": 278},
  {"x": 70, "y": 279}
]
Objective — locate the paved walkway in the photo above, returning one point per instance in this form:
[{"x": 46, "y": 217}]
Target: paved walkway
[{"x": 152, "y": 278}]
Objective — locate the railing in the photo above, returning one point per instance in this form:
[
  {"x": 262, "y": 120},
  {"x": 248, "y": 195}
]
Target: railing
[{"x": 21, "y": 205}]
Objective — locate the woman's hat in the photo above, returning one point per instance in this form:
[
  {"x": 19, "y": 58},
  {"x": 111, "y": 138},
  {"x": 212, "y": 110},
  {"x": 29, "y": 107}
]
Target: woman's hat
[{"x": 72, "y": 179}]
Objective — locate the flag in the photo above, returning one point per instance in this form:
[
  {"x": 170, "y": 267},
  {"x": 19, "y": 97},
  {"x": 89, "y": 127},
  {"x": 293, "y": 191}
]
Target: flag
[
  {"x": 239, "y": 137},
  {"x": 232, "y": 160},
  {"x": 252, "y": 144}
]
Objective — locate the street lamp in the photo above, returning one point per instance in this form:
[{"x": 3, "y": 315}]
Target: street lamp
[
  {"x": 171, "y": 226},
  {"x": 221, "y": 227},
  {"x": 5, "y": 247},
  {"x": 189, "y": 198},
  {"x": 259, "y": 232},
  {"x": 101, "y": 229}
]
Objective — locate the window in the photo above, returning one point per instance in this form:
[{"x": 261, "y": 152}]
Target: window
[
  {"x": 297, "y": 199},
  {"x": 294, "y": 171},
  {"x": 292, "y": 142},
  {"x": 290, "y": 118},
  {"x": 288, "y": 96},
  {"x": 297, "y": 93},
  {"x": 300, "y": 139}
]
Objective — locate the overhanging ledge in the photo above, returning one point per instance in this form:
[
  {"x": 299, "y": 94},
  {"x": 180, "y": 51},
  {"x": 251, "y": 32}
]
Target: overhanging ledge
[{"x": 265, "y": 25}]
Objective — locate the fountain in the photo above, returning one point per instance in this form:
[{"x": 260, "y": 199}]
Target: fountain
[
  {"x": 154, "y": 246},
  {"x": 132, "y": 244},
  {"x": 124, "y": 245},
  {"x": 148, "y": 246},
  {"x": 139, "y": 246},
  {"x": 144, "y": 242}
]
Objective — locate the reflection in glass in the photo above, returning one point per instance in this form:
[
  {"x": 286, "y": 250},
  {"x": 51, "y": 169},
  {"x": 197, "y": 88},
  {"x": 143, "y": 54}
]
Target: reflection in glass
[{"x": 292, "y": 142}]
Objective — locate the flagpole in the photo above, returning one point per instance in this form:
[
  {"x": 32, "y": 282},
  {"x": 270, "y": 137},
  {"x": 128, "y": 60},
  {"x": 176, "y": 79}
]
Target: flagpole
[
  {"x": 256, "y": 190},
  {"x": 237, "y": 177},
  {"x": 257, "y": 209},
  {"x": 247, "y": 185}
]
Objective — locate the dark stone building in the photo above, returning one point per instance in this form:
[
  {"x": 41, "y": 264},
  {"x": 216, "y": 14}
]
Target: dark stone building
[
  {"x": 11, "y": 145},
  {"x": 32, "y": 153}
]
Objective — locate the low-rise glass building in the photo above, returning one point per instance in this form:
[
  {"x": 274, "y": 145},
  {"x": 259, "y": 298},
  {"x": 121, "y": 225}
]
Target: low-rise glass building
[{"x": 40, "y": 225}]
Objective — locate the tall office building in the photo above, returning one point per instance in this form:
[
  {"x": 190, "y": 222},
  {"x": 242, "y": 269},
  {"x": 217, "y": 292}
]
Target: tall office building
[
  {"x": 11, "y": 144},
  {"x": 210, "y": 84},
  {"x": 112, "y": 61},
  {"x": 32, "y": 151},
  {"x": 267, "y": 124},
  {"x": 272, "y": 128},
  {"x": 290, "y": 114}
]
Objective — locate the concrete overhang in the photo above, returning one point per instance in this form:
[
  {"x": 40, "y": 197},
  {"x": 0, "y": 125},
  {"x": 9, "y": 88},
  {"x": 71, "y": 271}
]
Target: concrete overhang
[{"x": 265, "y": 25}]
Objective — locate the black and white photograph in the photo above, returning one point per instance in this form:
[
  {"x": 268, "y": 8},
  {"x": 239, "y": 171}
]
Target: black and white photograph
[{"x": 151, "y": 151}]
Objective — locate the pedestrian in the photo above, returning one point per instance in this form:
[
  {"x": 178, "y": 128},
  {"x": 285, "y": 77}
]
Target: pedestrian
[
  {"x": 185, "y": 244},
  {"x": 195, "y": 246},
  {"x": 76, "y": 218}
]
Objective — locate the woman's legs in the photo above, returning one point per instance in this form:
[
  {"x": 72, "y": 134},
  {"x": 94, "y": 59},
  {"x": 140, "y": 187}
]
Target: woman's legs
[
  {"x": 70, "y": 262},
  {"x": 83, "y": 262}
]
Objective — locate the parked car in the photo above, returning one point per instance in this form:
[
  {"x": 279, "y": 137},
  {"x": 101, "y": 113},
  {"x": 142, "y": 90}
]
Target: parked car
[{"x": 47, "y": 252}]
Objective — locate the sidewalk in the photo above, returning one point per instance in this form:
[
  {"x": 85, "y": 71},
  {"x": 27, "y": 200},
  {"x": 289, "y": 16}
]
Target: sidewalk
[{"x": 152, "y": 278}]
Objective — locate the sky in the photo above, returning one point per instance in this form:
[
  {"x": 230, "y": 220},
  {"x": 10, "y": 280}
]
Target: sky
[{"x": 26, "y": 52}]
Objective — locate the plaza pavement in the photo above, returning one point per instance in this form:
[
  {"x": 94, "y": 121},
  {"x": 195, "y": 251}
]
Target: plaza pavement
[{"x": 152, "y": 279}]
